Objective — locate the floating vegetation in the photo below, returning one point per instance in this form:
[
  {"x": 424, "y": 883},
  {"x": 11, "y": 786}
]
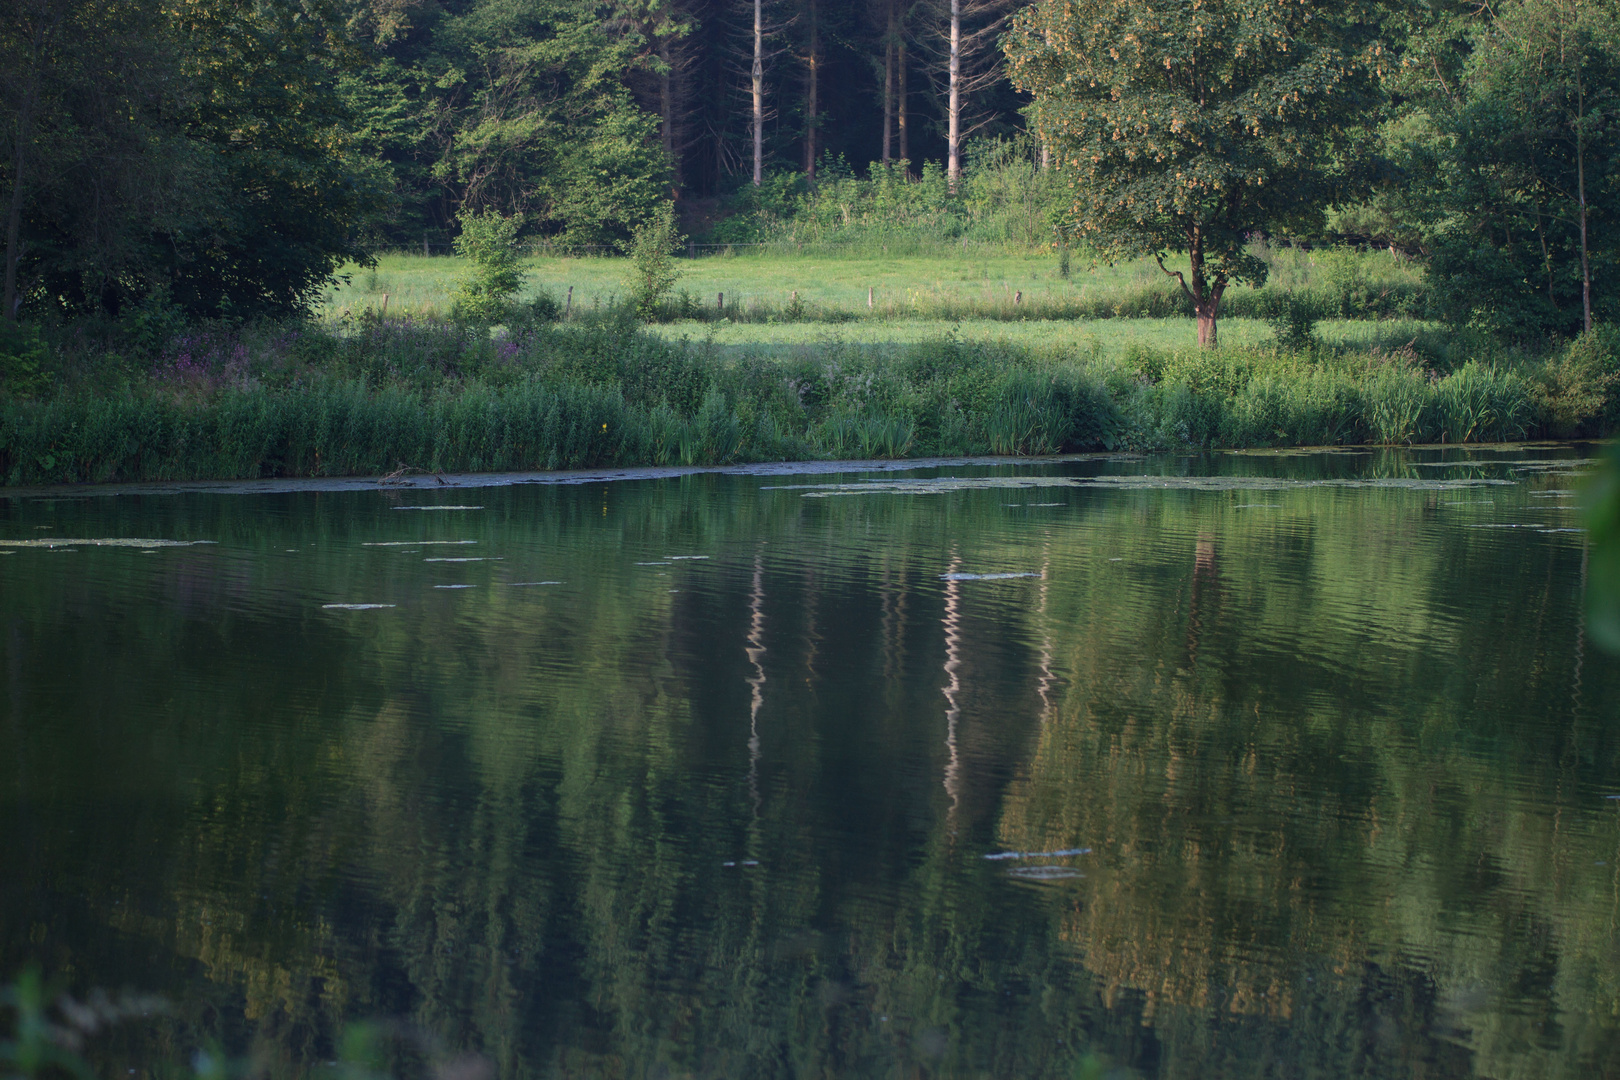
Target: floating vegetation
[
  {"x": 438, "y": 508},
  {"x": 119, "y": 542},
  {"x": 1044, "y": 873},
  {"x": 988, "y": 577},
  {"x": 411, "y": 543},
  {"x": 356, "y": 607},
  {"x": 1060, "y": 853},
  {"x": 471, "y": 558},
  {"x": 943, "y": 485}
]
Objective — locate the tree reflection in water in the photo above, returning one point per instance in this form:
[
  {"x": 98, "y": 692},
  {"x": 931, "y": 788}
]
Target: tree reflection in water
[{"x": 1342, "y": 762}]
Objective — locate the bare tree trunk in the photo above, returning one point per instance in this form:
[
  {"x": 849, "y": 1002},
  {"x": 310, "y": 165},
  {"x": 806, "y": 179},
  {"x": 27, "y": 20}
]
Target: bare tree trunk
[
  {"x": 953, "y": 165},
  {"x": 900, "y": 111},
  {"x": 811, "y": 92},
  {"x": 888, "y": 85},
  {"x": 1580, "y": 186},
  {"x": 666, "y": 110},
  {"x": 759, "y": 93}
]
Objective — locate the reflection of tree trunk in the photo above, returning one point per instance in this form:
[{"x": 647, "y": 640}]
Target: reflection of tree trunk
[
  {"x": 756, "y": 685},
  {"x": 1206, "y": 579},
  {"x": 1044, "y": 687},
  {"x": 953, "y": 688},
  {"x": 894, "y": 630}
]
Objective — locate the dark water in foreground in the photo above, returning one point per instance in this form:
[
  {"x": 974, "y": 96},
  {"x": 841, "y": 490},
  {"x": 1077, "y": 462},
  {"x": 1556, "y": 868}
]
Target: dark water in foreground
[{"x": 726, "y": 776}]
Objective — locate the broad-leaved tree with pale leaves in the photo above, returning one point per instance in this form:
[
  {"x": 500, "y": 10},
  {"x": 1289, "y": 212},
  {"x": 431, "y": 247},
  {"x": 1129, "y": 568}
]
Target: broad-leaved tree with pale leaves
[{"x": 1187, "y": 126}]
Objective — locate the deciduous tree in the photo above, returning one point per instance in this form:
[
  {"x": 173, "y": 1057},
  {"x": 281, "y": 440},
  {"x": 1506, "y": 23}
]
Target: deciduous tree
[{"x": 1185, "y": 126}]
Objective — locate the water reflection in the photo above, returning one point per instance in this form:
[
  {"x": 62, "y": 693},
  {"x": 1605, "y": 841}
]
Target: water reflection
[{"x": 1234, "y": 766}]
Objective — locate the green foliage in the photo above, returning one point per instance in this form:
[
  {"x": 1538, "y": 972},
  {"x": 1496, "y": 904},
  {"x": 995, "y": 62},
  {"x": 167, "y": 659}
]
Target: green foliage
[
  {"x": 494, "y": 273},
  {"x": 23, "y": 359},
  {"x": 1003, "y": 197},
  {"x": 1500, "y": 169},
  {"x": 201, "y": 147},
  {"x": 1578, "y": 389},
  {"x": 522, "y": 108},
  {"x": 653, "y": 271},
  {"x": 1188, "y": 128},
  {"x": 1292, "y": 317}
]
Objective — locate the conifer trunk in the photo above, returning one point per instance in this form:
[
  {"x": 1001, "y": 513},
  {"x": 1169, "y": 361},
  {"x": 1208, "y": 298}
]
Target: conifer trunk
[
  {"x": 900, "y": 91},
  {"x": 811, "y": 92},
  {"x": 758, "y": 74},
  {"x": 953, "y": 166},
  {"x": 1580, "y": 185},
  {"x": 888, "y": 85}
]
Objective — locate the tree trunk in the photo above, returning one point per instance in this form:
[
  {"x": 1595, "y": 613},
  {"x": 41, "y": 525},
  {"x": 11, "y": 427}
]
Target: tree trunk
[
  {"x": 1586, "y": 265},
  {"x": 811, "y": 92},
  {"x": 953, "y": 166},
  {"x": 888, "y": 85},
  {"x": 666, "y": 109},
  {"x": 900, "y": 92},
  {"x": 1204, "y": 294},
  {"x": 759, "y": 93},
  {"x": 1207, "y": 326}
]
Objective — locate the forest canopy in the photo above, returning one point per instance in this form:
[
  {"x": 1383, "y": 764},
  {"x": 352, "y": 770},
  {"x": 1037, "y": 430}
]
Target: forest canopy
[{"x": 228, "y": 158}]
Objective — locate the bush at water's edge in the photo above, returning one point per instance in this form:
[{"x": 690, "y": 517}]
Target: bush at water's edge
[{"x": 272, "y": 401}]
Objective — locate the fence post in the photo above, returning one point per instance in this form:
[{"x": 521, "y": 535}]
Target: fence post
[
  {"x": 568, "y": 305},
  {"x": 424, "y": 246},
  {"x": 869, "y": 291},
  {"x": 720, "y": 302}
]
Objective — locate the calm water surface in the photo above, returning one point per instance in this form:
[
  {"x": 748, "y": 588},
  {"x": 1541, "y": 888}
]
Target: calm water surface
[{"x": 1248, "y": 765}]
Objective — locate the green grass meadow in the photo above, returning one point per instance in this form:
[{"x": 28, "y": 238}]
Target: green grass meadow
[{"x": 862, "y": 283}]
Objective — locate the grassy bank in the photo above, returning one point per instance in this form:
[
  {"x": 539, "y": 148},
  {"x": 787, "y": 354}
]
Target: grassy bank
[{"x": 316, "y": 401}]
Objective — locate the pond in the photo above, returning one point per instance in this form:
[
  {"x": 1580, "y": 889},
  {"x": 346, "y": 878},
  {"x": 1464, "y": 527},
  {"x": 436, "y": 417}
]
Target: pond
[{"x": 1282, "y": 764}]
